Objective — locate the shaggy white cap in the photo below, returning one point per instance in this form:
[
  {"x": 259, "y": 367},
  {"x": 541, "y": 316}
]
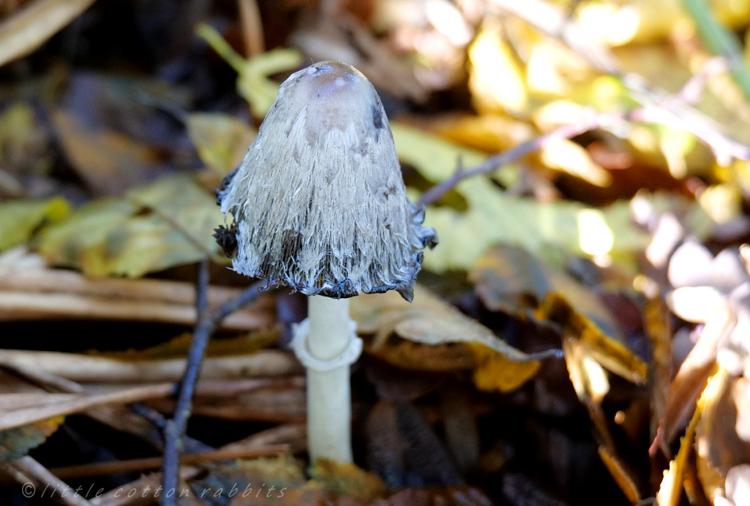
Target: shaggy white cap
[{"x": 318, "y": 202}]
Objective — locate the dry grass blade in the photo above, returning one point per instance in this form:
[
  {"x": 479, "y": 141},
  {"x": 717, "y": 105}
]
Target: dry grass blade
[
  {"x": 29, "y": 27},
  {"x": 25, "y": 416},
  {"x": 58, "y": 294},
  {"x": 15, "y": 306},
  {"x": 88, "y": 369},
  {"x": 119, "y": 466},
  {"x": 27, "y": 467}
]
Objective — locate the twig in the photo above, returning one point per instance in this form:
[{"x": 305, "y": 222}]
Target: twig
[
  {"x": 201, "y": 287},
  {"x": 175, "y": 429},
  {"x": 133, "y": 465},
  {"x": 666, "y": 111},
  {"x": 693, "y": 89},
  {"x": 252, "y": 28},
  {"x": 494, "y": 162}
]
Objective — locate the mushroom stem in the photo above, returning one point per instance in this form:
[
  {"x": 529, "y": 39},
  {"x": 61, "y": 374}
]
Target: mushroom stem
[{"x": 328, "y": 392}]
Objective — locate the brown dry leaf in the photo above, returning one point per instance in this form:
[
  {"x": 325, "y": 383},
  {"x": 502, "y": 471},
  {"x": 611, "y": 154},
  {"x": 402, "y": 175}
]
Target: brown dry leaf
[
  {"x": 30, "y": 26},
  {"x": 670, "y": 489},
  {"x": 430, "y": 321},
  {"x": 408, "y": 355},
  {"x": 692, "y": 376},
  {"x": 179, "y": 346},
  {"x": 16, "y": 443},
  {"x": 108, "y": 161},
  {"x": 741, "y": 395},
  {"x": 348, "y": 479},
  {"x": 718, "y": 447},
  {"x": 622, "y": 476},
  {"x": 343, "y": 37},
  {"x": 511, "y": 280},
  {"x": 656, "y": 319}
]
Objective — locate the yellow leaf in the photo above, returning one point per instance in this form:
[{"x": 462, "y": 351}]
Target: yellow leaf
[
  {"x": 512, "y": 280},
  {"x": 550, "y": 230},
  {"x": 253, "y": 82},
  {"x": 621, "y": 475},
  {"x": 152, "y": 228},
  {"x": 19, "y": 219},
  {"x": 432, "y": 322},
  {"x": 495, "y": 79},
  {"x": 221, "y": 140},
  {"x": 16, "y": 443},
  {"x": 348, "y": 479},
  {"x": 496, "y": 372},
  {"x": 569, "y": 157},
  {"x": 671, "y": 485}
]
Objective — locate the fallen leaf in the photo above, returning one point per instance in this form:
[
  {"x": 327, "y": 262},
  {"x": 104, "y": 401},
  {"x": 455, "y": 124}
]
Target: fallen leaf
[
  {"x": 347, "y": 479},
  {"x": 16, "y": 443},
  {"x": 622, "y": 476},
  {"x": 718, "y": 447},
  {"x": 670, "y": 489},
  {"x": 221, "y": 140},
  {"x": 549, "y": 230},
  {"x": 108, "y": 161},
  {"x": 152, "y": 228},
  {"x": 30, "y": 26},
  {"x": 430, "y": 321},
  {"x": 512, "y": 280},
  {"x": 19, "y": 219},
  {"x": 253, "y": 82},
  {"x": 496, "y": 79}
]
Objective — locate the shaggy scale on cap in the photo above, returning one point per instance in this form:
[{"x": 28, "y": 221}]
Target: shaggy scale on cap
[{"x": 318, "y": 202}]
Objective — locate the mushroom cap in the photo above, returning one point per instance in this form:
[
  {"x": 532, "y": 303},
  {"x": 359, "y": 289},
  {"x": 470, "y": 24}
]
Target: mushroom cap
[{"x": 318, "y": 202}]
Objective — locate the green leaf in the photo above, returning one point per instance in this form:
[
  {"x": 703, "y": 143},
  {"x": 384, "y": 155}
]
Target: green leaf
[
  {"x": 19, "y": 219},
  {"x": 253, "y": 83},
  {"x": 152, "y": 228},
  {"x": 16, "y": 443},
  {"x": 550, "y": 230}
]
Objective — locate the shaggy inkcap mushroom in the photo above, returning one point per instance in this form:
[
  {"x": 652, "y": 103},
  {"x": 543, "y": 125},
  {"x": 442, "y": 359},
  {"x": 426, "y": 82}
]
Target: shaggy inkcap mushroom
[{"x": 318, "y": 202}]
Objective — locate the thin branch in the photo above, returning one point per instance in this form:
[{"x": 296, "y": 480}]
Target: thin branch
[
  {"x": 175, "y": 428},
  {"x": 671, "y": 110},
  {"x": 495, "y": 162}
]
